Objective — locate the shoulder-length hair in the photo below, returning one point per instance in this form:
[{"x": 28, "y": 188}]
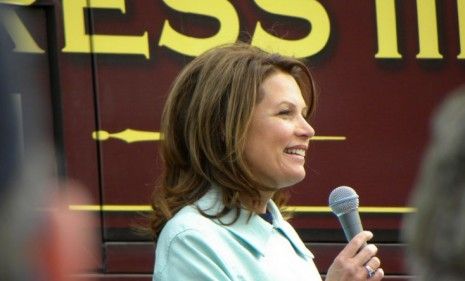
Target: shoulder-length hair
[{"x": 204, "y": 124}]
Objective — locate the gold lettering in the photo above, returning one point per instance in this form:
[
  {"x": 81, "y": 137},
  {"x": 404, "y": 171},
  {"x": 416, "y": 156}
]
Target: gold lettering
[
  {"x": 427, "y": 30},
  {"x": 18, "y": 2},
  {"x": 77, "y": 41},
  {"x": 22, "y": 39},
  {"x": 386, "y": 26},
  {"x": 461, "y": 21},
  {"x": 309, "y": 10},
  {"x": 222, "y": 10}
]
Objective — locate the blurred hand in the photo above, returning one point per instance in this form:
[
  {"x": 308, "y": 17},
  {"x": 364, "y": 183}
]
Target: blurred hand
[
  {"x": 67, "y": 244},
  {"x": 350, "y": 264}
]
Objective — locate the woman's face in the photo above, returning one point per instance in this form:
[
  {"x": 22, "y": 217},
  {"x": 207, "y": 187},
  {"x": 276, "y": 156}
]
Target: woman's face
[{"x": 278, "y": 136}]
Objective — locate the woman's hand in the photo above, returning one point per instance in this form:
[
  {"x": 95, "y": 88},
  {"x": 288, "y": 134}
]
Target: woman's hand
[{"x": 354, "y": 263}]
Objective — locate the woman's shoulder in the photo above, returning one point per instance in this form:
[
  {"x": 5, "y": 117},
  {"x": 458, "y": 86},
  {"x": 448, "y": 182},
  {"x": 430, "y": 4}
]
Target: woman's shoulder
[
  {"x": 188, "y": 218},
  {"x": 192, "y": 221},
  {"x": 183, "y": 237},
  {"x": 189, "y": 221}
]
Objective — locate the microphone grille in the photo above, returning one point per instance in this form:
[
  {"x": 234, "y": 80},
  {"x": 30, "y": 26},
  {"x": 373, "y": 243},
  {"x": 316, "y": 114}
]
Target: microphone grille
[{"x": 343, "y": 200}]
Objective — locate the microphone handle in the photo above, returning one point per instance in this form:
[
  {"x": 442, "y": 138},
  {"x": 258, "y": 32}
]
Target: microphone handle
[{"x": 351, "y": 224}]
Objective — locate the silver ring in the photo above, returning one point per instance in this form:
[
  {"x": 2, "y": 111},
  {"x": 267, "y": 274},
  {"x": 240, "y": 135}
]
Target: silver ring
[{"x": 370, "y": 271}]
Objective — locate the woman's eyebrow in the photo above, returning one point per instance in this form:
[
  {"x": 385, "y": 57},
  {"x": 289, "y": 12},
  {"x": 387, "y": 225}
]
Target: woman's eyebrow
[
  {"x": 287, "y": 103},
  {"x": 292, "y": 104}
]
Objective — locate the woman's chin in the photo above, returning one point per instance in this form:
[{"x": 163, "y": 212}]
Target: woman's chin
[{"x": 291, "y": 180}]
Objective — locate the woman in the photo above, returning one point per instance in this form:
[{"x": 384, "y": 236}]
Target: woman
[{"x": 235, "y": 135}]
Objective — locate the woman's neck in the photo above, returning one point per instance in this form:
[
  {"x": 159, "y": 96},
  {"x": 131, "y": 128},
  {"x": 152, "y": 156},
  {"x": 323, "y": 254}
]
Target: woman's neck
[
  {"x": 258, "y": 207},
  {"x": 265, "y": 197}
]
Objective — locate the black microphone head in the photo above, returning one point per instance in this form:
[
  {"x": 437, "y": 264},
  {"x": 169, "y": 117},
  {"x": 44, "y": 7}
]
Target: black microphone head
[{"x": 343, "y": 200}]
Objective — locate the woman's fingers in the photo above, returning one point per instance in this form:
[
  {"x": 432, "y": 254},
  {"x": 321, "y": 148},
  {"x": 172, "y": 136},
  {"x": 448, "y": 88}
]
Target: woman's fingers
[
  {"x": 379, "y": 274},
  {"x": 356, "y": 243},
  {"x": 372, "y": 267},
  {"x": 357, "y": 261},
  {"x": 365, "y": 254},
  {"x": 374, "y": 263}
]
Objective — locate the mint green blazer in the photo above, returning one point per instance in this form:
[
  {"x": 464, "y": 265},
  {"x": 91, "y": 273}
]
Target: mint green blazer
[{"x": 193, "y": 247}]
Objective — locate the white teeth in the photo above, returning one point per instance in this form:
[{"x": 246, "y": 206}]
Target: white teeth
[{"x": 296, "y": 151}]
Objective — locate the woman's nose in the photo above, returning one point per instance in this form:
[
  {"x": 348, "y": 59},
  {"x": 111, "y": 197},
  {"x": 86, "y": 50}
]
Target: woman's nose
[{"x": 305, "y": 129}]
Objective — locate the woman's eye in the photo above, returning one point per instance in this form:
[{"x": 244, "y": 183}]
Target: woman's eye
[{"x": 284, "y": 112}]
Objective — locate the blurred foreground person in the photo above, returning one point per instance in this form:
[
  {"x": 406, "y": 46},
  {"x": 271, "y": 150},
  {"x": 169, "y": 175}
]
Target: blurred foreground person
[
  {"x": 40, "y": 238},
  {"x": 436, "y": 232},
  {"x": 235, "y": 135}
]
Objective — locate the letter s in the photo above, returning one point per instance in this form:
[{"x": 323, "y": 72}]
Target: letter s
[
  {"x": 222, "y": 10},
  {"x": 309, "y": 10}
]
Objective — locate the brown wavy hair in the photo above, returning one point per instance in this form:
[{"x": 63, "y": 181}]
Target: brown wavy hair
[{"x": 204, "y": 124}]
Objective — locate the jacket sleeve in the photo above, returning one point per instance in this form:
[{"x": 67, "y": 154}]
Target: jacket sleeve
[{"x": 190, "y": 255}]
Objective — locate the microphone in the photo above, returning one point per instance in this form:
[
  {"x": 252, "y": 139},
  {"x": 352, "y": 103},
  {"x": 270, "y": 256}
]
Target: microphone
[{"x": 344, "y": 202}]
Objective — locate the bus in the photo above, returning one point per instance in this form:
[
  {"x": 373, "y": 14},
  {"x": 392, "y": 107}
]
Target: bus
[{"x": 104, "y": 67}]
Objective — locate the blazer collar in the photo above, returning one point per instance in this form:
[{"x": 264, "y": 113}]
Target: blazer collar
[{"x": 250, "y": 227}]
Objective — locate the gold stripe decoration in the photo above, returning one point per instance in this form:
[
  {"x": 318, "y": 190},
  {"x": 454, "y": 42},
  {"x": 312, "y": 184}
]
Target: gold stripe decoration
[
  {"x": 293, "y": 209},
  {"x": 362, "y": 210},
  {"x": 111, "y": 208},
  {"x": 131, "y": 135},
  {"x": 328, "y": 138},
  {"x": 128, "y": 136}
]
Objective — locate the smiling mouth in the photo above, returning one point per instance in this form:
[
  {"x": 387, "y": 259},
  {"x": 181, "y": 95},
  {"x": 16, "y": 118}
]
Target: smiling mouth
[{"x": 295, "y": 151}]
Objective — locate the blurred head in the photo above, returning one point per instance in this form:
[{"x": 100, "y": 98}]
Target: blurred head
[
  {"x": 206, "y": 121},
  {"x": 16, "y": 216},
  {"x": 436, "y": 233},
  {"x": 40, "y": 238}
]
